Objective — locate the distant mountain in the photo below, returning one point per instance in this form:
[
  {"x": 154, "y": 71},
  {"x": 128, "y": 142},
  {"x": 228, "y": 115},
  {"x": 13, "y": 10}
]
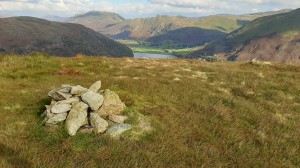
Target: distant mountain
[
  {"x": 270, "y": 38},
  {"x": 23, "y": 35},
  {"x": 269, "y": 13},
  {"x": 96, "y": 20},
  {"x": 5, "y": 16},
  {"x": 56, "y": 18},
  {"x": 149, "y": 27},
  {"x": 185, "y": 37}
]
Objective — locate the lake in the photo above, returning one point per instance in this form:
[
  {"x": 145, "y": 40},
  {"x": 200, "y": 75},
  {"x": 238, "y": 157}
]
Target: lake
[{"x": 148, "y": 55}]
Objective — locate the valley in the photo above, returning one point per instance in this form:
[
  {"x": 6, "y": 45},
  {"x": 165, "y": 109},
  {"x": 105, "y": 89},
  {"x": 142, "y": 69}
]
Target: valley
[{"x": 152, "y": 89}]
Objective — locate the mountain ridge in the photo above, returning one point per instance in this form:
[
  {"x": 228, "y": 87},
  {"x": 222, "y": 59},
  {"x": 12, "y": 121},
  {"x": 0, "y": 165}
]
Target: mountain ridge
[
  {"x": 269, "y": 38},
  {"x": 23, "y": 35}
]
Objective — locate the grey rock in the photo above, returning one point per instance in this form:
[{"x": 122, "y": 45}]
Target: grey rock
[
  {"x": 94, "y": 100},
  {"x": 76, "y": 118},
  {"x": 49, "y": 114},
  {"x": 118, "y": 129},
  {"x": 61, "y": 93},
  {"x": 117, "y": 118},
  {"x": 111, "y": 105},
  {"x": 95, "y": 87},
  {"x": 78, "y": 90},
  {"x": 61, "y": 108},
  {"x": 100, "y": 125},
  {"x": 57, "y": 119},
  {"x": 72, "y": 100}
]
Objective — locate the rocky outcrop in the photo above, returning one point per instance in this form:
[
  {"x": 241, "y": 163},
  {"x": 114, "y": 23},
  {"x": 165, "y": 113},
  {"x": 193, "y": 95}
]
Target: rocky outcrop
[{"x": 86, "y": 110}]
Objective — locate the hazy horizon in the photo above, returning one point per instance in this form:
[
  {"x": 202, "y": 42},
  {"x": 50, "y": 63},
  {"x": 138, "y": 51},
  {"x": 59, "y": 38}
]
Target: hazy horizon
[{"x": 141, "y": 9}]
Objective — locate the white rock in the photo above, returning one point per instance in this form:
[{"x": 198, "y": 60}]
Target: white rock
[
  {"x": 118, "y": 129},
  {"x": 100, "y": 125},
  {"x": 76, "y": 118},
  {"x": 94, "y": 100},
  {"x": 61, "y": 108},
  {"x": 57, "y": 119},
  {"x": 117, "y": 118},
  {"x": 78, "y": 90},
  {"x": 95, "y": 87}
]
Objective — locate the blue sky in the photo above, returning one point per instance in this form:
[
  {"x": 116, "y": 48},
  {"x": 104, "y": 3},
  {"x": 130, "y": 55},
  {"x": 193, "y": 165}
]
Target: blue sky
[{"x": 142, "y": 8}]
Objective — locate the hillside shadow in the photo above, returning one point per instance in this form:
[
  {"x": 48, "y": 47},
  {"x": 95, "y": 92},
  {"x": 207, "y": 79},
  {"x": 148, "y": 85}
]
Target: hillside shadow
[
  {"x": 186, "y": 37},
  {"x": 13, "y": 157},
  {"x": 124, "y": 35}
]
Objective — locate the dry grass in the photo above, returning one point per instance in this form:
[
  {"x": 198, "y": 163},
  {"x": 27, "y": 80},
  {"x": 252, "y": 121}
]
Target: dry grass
[{"x": 216, "y": 115}]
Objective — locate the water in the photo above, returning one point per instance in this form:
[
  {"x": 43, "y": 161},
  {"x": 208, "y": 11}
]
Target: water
[{"x": 148, "y": 55}]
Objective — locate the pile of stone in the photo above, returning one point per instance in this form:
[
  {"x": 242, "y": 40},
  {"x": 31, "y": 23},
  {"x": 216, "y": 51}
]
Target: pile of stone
[{"x": 86, "y": 110}]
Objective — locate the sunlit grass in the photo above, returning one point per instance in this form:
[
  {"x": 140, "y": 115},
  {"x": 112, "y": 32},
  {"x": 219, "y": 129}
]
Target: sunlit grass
[{"x": 215, "y": 115}]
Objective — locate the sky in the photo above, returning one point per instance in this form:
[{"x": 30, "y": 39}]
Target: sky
[{"x": 142, "y": 8}]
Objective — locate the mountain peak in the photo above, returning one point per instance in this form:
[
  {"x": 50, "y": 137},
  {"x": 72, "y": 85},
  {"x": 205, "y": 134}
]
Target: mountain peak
[{"x": 98, "y": 14}]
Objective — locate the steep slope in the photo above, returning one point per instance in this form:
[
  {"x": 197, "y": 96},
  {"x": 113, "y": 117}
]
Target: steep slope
[
  {"x": 23, "y": 35},
  {"x": 96, "y": 20},
  {"x": 268, "y": 13},
  {"x": 185, "y": 37},
  {"x": 270, "y": 38}
]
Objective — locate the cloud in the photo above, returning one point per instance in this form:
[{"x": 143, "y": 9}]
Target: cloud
[{"x": 138, "y": 8}]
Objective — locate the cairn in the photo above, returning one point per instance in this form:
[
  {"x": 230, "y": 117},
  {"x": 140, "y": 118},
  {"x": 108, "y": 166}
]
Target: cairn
[{"x": 86, "y": 110}]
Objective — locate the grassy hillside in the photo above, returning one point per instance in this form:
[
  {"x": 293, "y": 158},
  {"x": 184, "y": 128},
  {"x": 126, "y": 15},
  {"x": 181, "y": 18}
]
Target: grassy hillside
[
  {"x": 149, "y": 27},
  {"x": 96, "y": 20},
  {"x": 204, "y": 114},
  {"x": 269, "y": 38},
  {"x": 24, "y": 35}
]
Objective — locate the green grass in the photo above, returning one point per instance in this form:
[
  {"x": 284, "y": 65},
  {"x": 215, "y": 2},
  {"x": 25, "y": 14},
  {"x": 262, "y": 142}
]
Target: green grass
[{"x": 212, "y": 115}]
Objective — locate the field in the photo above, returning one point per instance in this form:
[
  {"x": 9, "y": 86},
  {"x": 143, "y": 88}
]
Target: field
[{"x": 203, "y": 114}]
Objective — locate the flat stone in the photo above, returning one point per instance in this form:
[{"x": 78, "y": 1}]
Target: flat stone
[
  {"x": 78, "y": 90},
  {"x": 72, "y": 100},
  {"x": 111, "y": 105},
  {"x": 94, "y": 100},
  {"x": 61, "y": 93},
  {"x": 100, "y": 125},
  {"x": 57, "y": 119},
  {"x": 95, "y": 87},
  {"x": 76, "y": 118},
  {"x": 117, "y": 118},
  {"x": 61, "y": 108},
  {"x": 118, "y": 129}
]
